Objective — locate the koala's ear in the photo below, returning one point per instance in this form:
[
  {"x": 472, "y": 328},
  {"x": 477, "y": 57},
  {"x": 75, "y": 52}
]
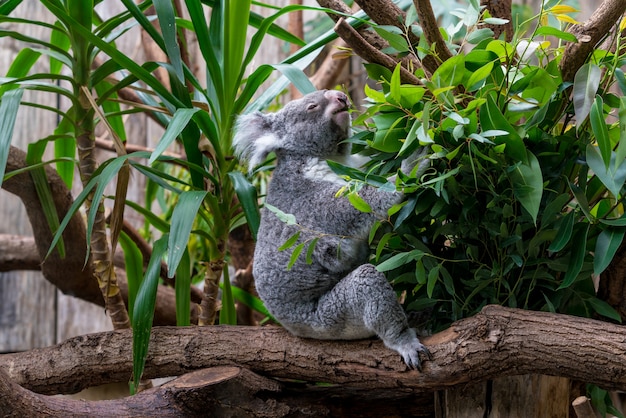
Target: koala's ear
[{"x": 254, "y": 138}]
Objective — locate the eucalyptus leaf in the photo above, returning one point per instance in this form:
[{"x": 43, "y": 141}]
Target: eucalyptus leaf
[
  {"x": 600, "y": 130},
  {"x": 607, "y": 244},
  {"x": 613, "y": 178},
  {"x": 586, "y": 83},
  {"x": 577, "y": 257},
  {"x": 527, "y": 182}
]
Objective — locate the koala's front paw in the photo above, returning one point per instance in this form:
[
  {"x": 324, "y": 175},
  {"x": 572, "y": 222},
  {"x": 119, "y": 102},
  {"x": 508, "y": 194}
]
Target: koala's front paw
[
  {"x": 410, "y": 354},
  {"x": 410, "y": 347}
]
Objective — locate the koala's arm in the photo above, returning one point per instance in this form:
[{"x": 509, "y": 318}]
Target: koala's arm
[
  {"x": 339, "y": 255},
  {"x": 417, "y": 158}
]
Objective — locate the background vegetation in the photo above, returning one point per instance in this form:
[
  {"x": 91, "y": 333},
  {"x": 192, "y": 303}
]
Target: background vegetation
[{"x": 522, "y": 205}]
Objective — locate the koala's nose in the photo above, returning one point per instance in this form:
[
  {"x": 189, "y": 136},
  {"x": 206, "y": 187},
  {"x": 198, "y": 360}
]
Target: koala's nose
[{"x": 338, "y": 96}]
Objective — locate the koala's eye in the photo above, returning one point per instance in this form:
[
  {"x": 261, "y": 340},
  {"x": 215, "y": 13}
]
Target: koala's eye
[{"x": 312, "y": 106}]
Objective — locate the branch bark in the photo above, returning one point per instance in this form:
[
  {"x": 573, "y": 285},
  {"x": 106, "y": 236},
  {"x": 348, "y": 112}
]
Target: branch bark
[
  {"x": 369, "y": 53},
  {"x": 18, "y": 253},
  {"x": 501, "y": 9},
  {"x": 218, "y": 391},
  {"x": 497, "y": 342},
  {"x": 368, "y": 44},
  {"x": 431, "y": 29},
  {"x": 589, "y": 34}
]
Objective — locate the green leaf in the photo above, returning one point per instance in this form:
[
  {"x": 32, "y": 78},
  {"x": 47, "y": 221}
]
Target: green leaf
[
  {"x": 552, "y": 31},
  {"x": 612, "y": 178},
  {"x": 577, "y": 257},
  {"x": 8, "y": 6},
  {"x": 586, "y": 83},
  {"x": 228, "y": 313},
  {"x": 359, "y": 203},
  {"x": 174, "y": 128},
  {"x": 527, "y": 182},
  {"x": 310, "y": 249},
  {"x": 143, "y": 312},
  {"x": 236, "y": 14},
  {"x": 133, "y": 262},
  {"x": 250, "y": 301},
  {"x": 295, "y": 74},
  {"x": 450, "y": 72},
  {"x": 607, "y": 244},
  {"x": 287, "y": 218},
  {"x": 247, "y": 195},
  {"x": 620, "y": 152},
  {"x": 183, "y": 290},
  {"x": 65, "y": 147},
  {"x": 433, "y": 276},
  {"x": 9, "y": 106},
  {"x": 604, "y": 309},
  {"x": 564, "y": 233},
  {"x": 167, "y": 23},
  {"x": 394, "y": 36},
  {"x": 491, "y": 118},
  {"x": 399, "y": 260},
  {"x": 478, "y": 76},
  {"x": 295, "y": 254},
  {"x": 183, "y": 216},
  {"x": 290, "y": 241},
  {"x": 621, "y": 80},
  {"x": 477, "y": 36},
  {"x": 60, "y": 39},
  {"x": 42, "y": 186},
  {"x": 20, "y": 67},
  {"x": 600, "y": 130}
]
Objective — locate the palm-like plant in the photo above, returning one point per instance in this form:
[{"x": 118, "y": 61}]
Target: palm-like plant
[{"x": 89, "y": 70}]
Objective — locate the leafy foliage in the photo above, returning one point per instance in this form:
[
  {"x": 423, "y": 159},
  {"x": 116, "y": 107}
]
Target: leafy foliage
[{"x": 523, "y": 203}]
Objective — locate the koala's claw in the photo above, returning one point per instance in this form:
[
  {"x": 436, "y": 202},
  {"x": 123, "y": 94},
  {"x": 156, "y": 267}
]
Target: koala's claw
[{"x": 412, "y": 356}]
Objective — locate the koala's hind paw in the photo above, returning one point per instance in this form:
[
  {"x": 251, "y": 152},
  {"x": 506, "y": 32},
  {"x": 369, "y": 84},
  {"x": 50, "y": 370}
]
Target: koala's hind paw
[{"x": 410, "y": 354}]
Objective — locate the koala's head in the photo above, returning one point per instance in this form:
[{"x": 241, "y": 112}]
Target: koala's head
[{"x": 314, "y": 126}]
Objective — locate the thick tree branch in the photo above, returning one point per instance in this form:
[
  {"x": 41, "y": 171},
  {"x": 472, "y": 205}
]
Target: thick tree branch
[
  {"x": 369, "y": 53},
  {"x": 367, "y": 44},
  {"x": 431, "y": 29},
  {"x": 501, "y": 9},
  {"x": 218, "y": 391},
  {"x": 385, "y": 12},
  {"x": 497, "y": 342},
  {"x": 18, "y": 253},
  {"x": 589, "y": 34}
]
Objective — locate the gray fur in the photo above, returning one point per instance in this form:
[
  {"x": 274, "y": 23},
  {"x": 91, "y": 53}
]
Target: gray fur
[{"x": 339, "y": 295}]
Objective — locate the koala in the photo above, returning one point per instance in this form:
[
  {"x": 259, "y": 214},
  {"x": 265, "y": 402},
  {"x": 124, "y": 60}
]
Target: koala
[{"x": 339, "y": 295}]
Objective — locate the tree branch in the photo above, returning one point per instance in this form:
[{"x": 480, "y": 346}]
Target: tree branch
[
  {"x": 589, "y": 34},
  {"x": 497, "y": 342},
  {"x": 218, "y": 391},
  {"x": 501, "y": 9},
  {"x": 369, "y": 53},
  {"x": 18, "y": 253},
  {"x": 431, "y": 30},
  {"x": 385, "y": 12},
  {"x": 367, "y": 44}
]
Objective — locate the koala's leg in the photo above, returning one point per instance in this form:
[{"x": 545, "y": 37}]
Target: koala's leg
[{"x": 363, "y": 303}]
